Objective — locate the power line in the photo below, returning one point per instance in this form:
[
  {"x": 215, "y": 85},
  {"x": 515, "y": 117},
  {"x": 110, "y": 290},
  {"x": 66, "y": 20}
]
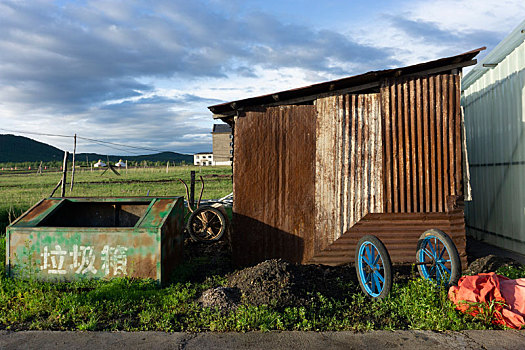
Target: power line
[
  {"x": 101, "y": 142},
  {"x": 122, "y": 145},
  {"x": 35, "y": 133},
  {"x": 113, "y": 147}
]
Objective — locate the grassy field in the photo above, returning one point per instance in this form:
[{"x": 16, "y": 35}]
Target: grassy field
[
  {"x": 21, "y": 191},
  {"x": 131, "y": 304}
]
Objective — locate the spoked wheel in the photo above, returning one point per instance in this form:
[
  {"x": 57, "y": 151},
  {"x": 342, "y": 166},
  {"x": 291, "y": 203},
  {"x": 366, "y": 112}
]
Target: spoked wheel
[
  {"x": 206, "y": 224},
  {"x": 437, "y": 258},
  {"x": 374, "y": 268}
]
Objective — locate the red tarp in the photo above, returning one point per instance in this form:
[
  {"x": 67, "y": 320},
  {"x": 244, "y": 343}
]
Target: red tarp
[{"x": 490, "y": 292}]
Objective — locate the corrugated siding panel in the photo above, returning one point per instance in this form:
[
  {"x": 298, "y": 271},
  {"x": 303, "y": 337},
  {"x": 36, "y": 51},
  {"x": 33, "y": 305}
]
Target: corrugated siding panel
[
  {"x": 494, "y": 108},
  {"x": 274, "y": 185},
  {"x": 422, "y": 149},
  {"x": 399, "y": 232},
  {"x": 349, "y": 164}
]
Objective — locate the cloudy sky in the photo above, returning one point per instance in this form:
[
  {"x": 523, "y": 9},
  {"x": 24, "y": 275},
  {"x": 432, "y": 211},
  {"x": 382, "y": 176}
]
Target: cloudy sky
[{"x": 142, "y": 72}]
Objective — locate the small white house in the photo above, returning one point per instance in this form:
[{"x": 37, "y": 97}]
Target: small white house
[
  {"x": 120, "y": 164},
  {"x": 99, "y": 164},
  {"x": 493, "y": 96},
  {"x": 204, "y": 159}
]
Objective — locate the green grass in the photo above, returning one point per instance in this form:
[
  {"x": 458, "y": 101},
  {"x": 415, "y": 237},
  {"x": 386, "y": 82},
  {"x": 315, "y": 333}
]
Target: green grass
[
  {"x": 142, "y": 305},
  {"x": 19, "y": 192},
  {"x": 139, "y": 305},
  {"x": 133, "y": 305}
]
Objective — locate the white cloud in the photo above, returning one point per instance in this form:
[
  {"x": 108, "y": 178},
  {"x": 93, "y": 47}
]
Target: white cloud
[
  {"x": 144, "y": 73},
  {"x": 468, "y": 15},
  {"x": 425, "y": 30}
]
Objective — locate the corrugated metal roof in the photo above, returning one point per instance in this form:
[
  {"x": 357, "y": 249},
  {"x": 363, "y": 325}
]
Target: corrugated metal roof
[
  {"x": 506, "y": 46},
  {"x": 357, "y": 83},
  {"x": 217, "y": 128}
]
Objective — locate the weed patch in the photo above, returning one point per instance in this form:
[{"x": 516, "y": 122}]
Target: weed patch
[{"x": 142, "y": 305}]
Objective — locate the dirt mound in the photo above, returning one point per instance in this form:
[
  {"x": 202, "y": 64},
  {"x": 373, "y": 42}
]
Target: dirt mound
[
  {"x": 223, "y": 298},
  {"x": 489, "y": 263},
  {"x": 279, "y": 283}
]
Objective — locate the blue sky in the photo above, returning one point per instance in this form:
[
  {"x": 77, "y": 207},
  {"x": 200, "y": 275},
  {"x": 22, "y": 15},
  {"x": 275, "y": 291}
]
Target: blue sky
[{"x": 143, "y": 72}]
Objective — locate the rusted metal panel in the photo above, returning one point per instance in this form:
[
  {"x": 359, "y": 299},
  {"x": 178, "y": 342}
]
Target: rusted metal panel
[
  {"x": 34, "y": 214},
  {"x": 387, "y": 146},
  {"x": 426, "y": 145},
  {"x": 274, "y": 185},
  {"x": 312, "y": 180},
  {"x": 401, "y": 149},
  {"x": 420, "y": 149},
  {"x": 422, "y": 143},
  {"x": 97, "y": 238},
  {"x": 400, "y": 233},
  {"x": 349, "y": 164},
  {"x": 439, "y": 145}
]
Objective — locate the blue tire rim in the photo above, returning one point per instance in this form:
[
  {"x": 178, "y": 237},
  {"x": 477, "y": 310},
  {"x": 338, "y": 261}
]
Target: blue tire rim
[
  {"x": 371, "y": 269},
  {"x": 435, "y": 254}
]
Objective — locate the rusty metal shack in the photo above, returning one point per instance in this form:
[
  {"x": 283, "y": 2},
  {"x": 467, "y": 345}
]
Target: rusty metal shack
[{"x": 316, "y": 168}]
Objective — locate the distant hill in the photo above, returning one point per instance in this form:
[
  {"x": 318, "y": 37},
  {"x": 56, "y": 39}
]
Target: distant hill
[{"x": 23, "y": 149}]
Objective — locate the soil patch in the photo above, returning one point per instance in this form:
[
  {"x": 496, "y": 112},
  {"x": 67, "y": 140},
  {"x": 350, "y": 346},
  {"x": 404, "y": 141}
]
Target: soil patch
[
  {"x": 280, "y": 284},
  {"x": 223, "y": 298},
  {"x": 489, "y": 263}
]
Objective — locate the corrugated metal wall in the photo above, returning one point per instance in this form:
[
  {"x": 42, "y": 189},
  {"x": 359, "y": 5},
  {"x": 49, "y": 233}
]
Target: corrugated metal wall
[
  {"x": 349, "y": 164},
  {"x": 494, "y": 108},
  {"x": 309, "y": 181},
  {"x": 422, "y": 143},
  {"x": 399, "y": 232},
  {"x": 274, "y": 185}
]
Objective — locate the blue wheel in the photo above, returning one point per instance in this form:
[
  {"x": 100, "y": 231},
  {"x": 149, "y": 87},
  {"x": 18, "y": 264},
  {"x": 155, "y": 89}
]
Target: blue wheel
[
  {"x": 373, "y": 266},
  {"x": 437, "y": 258}
]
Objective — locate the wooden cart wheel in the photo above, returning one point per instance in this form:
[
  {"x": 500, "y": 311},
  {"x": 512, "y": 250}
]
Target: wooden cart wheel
[
  {"x": 206, "y": 224},
  {"x": 373, "y": 266},
  {"x": 438, "y": 258}
]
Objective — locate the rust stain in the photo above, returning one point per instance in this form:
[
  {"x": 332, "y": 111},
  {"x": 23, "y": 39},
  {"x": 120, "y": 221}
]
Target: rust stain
[
  {"x": 99, "y": 241},
  {"x": 274, "y": 185},
  {"x": 349, "y": 165},
  {"x": 158, "y": 212},
  {"x": 424, "y": 121},
  {"x": 36, "y": 213},
  {"x": 399, "y": 232},
  {"x": 383, "y": 163}
]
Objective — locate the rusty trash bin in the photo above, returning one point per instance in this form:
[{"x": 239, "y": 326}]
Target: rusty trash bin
[{"x": 66, "y": 239}]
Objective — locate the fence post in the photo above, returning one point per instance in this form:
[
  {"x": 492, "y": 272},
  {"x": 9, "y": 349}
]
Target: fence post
[
  {"x": 192, "y": 188},
  {"x": 64, "y": 174},
  {"x": 73, "y": 166}
]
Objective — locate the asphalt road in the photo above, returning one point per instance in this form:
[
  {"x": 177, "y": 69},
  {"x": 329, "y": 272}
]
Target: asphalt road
[{"x": 375, "y": 340}]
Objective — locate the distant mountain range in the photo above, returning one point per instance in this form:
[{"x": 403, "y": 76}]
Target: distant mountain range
[{"x": 22, "y": 149}]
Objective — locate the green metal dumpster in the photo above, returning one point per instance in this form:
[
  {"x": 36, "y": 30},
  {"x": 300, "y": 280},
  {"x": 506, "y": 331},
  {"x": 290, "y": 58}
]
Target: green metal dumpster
[{"x": 77, "y": 238}]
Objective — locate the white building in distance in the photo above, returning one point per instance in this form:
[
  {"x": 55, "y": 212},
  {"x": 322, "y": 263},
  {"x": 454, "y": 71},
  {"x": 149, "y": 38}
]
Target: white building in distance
[{"x": 203, "y": 158}]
